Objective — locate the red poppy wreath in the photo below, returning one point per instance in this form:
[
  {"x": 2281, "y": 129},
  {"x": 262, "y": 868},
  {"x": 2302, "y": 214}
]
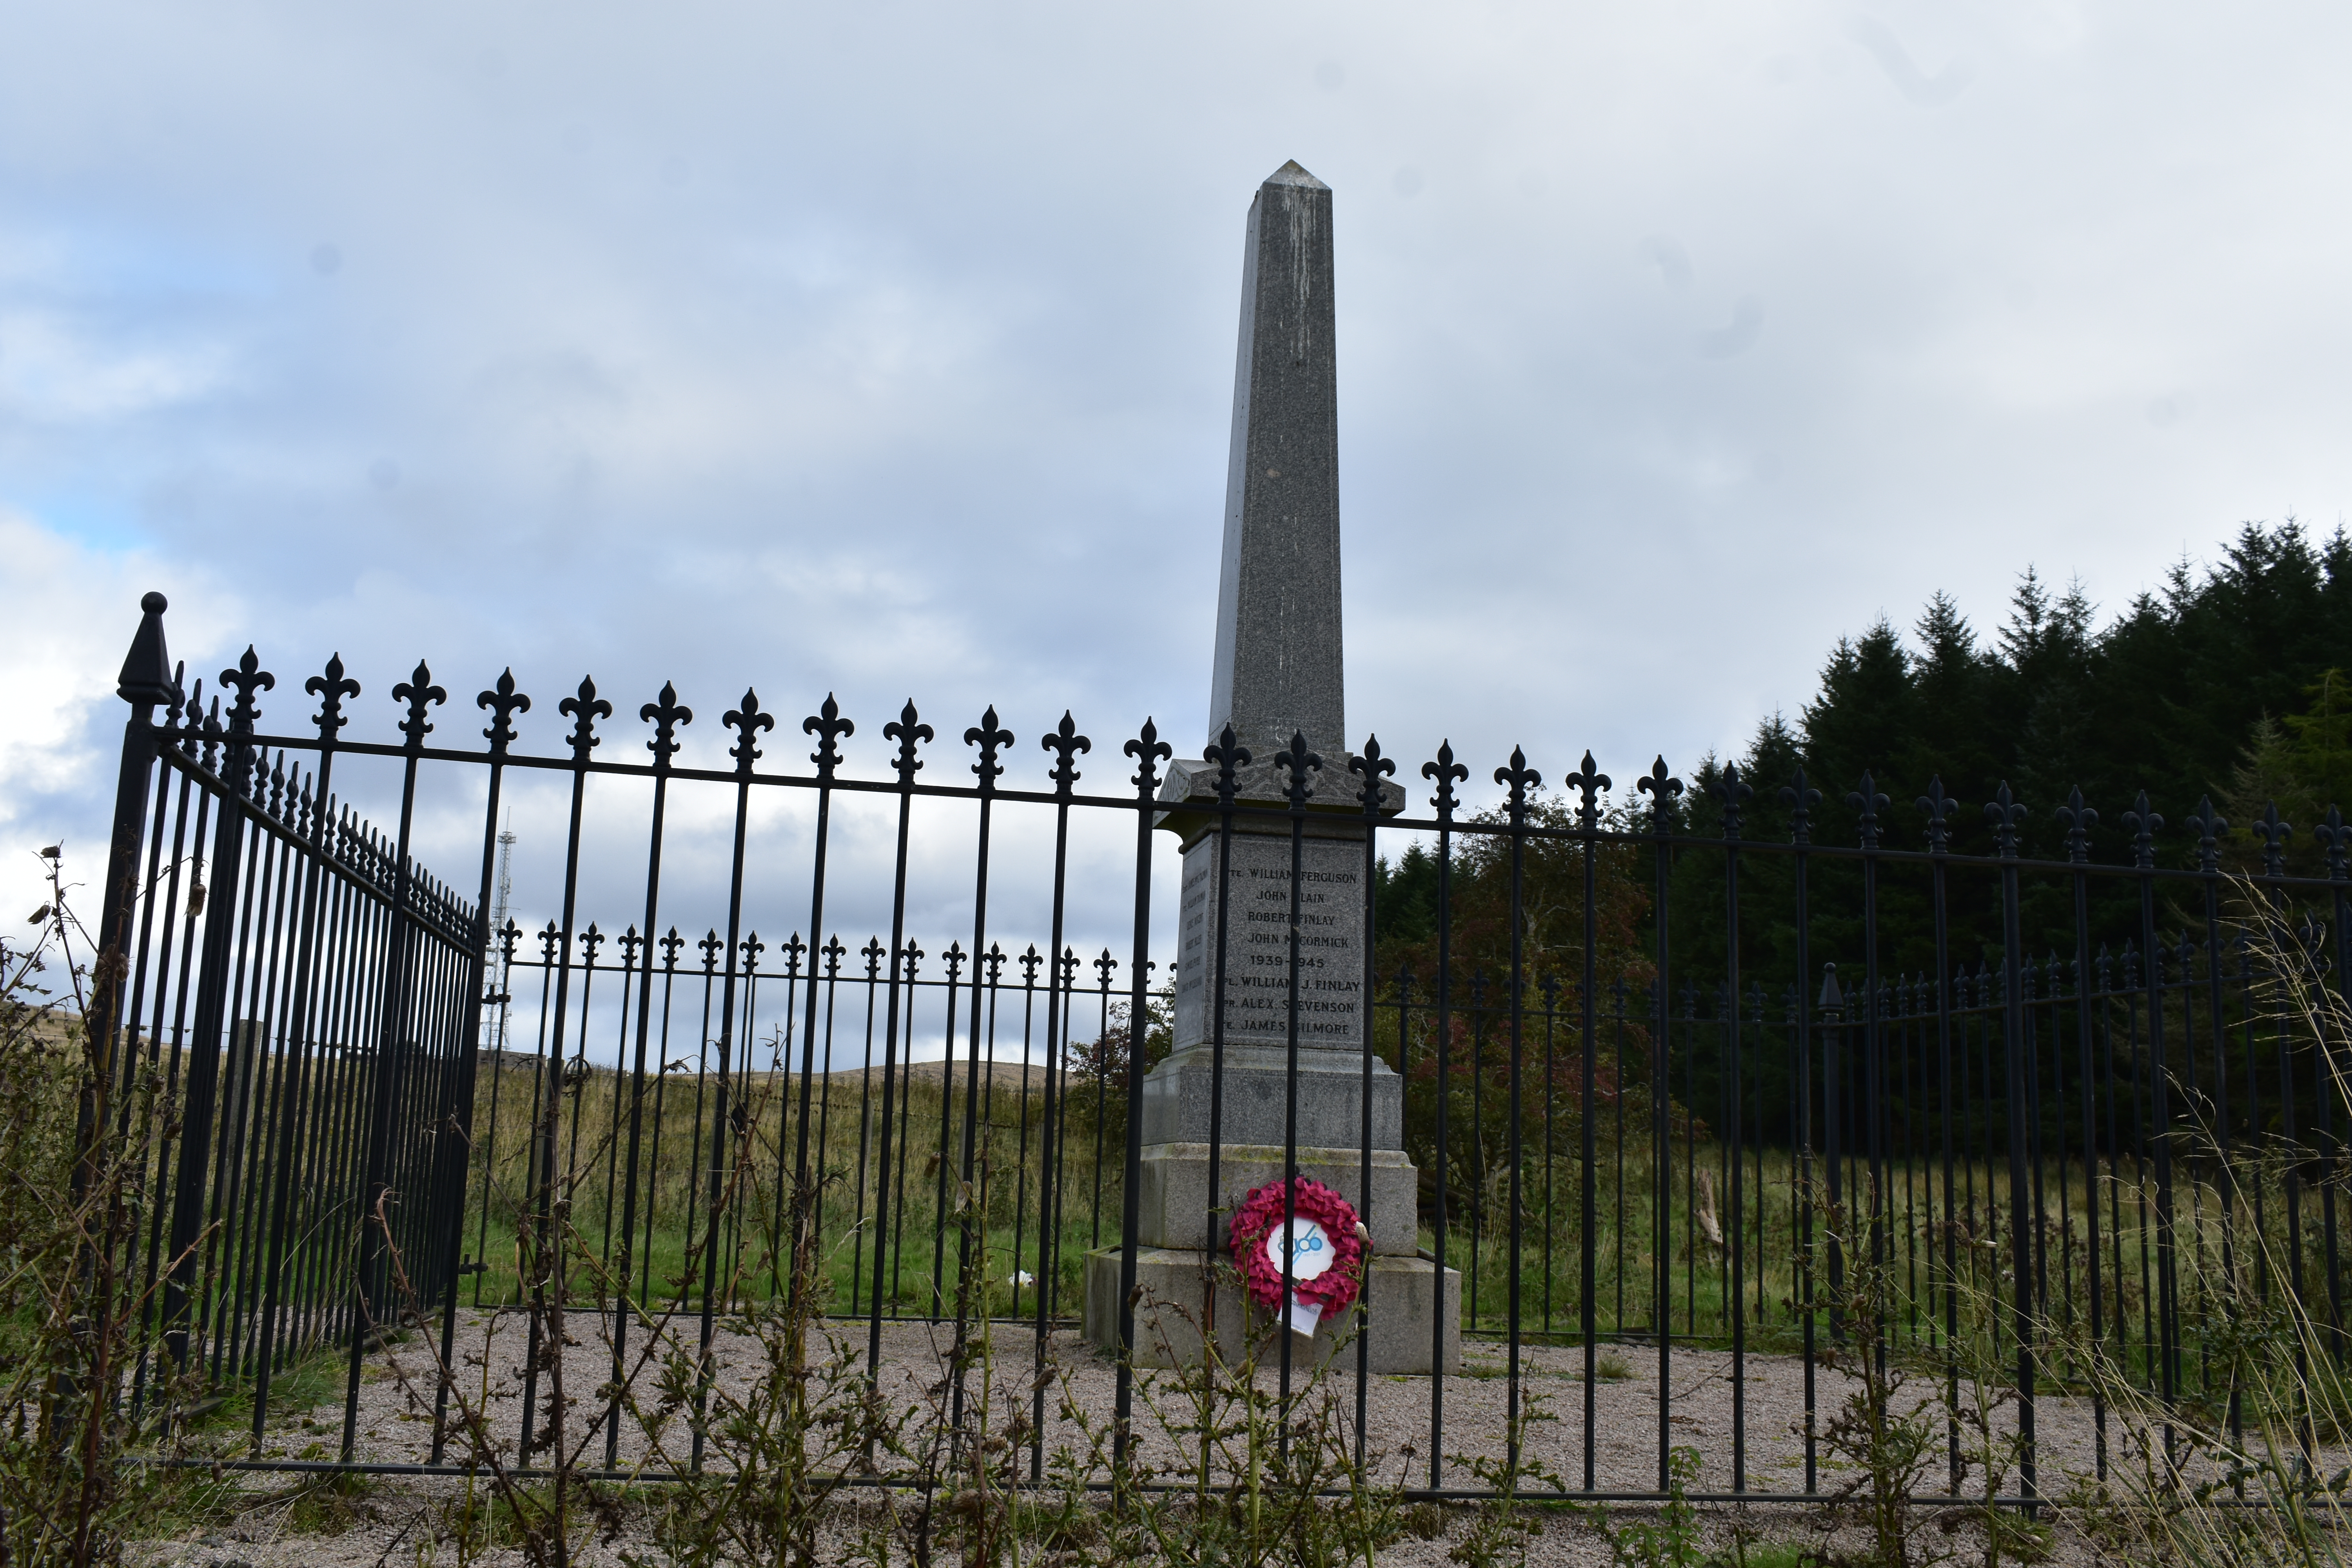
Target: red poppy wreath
[{"x": 1327, "y": 1250}]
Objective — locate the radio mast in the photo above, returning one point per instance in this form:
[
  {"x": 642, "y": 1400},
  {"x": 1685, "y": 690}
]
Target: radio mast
[{"x": 496, "y": 957}]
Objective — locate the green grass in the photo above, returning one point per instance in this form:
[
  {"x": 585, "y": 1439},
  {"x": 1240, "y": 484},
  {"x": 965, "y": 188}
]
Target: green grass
[{"x": 1696, "y": 1305}]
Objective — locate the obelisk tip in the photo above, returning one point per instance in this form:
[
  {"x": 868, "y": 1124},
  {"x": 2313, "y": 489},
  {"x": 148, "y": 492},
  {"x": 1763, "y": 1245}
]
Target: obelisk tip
[{"x": 1290, "y": 174}]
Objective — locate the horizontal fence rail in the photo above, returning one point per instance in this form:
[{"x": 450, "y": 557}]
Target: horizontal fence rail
[{"x": 1684, "y": 1081}]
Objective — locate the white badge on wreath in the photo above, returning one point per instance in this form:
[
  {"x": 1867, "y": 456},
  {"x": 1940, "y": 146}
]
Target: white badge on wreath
[{"x": 1311, "y": 1253}]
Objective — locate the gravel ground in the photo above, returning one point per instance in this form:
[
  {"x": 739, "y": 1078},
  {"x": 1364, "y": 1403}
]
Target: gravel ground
[{"x": 396, "y": 1426}]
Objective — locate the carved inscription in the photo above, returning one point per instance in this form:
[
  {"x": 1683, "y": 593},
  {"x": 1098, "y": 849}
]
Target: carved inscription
[{"x": 1326, "y": 917}]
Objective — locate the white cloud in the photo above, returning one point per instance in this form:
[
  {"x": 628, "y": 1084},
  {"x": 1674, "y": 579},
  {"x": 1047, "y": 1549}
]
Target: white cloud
[
  {"x": 71, "y": 614},
  {"x": 888, "y": 350}
]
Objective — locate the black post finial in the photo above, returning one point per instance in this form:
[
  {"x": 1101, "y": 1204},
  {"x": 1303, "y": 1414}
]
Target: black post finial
[{"x": 146, "y": 678}]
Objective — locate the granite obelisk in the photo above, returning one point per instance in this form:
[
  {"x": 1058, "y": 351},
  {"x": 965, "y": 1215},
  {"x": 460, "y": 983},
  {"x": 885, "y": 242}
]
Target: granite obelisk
[{"x": 1276, "y": 675}]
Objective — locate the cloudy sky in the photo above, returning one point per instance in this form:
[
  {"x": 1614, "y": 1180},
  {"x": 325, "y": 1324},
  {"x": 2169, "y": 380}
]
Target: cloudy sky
[{"x": 887, "y": 348}]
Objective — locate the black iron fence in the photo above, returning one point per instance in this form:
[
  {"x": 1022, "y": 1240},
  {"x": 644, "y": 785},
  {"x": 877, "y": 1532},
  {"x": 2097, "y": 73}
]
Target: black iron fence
[{"x": 1678, "y": 1112}]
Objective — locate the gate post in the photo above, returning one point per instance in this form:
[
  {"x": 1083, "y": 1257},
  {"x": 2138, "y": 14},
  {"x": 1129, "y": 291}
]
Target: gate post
[{"x": 144, "y": 681}]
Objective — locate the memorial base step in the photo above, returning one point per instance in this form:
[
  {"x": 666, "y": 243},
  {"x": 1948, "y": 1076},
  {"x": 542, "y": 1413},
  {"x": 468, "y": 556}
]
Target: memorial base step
[{"x": 1405, "y": 1302}]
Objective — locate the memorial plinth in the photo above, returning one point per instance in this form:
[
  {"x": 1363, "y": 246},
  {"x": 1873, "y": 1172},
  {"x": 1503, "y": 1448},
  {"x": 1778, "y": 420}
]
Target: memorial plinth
[{"x": 1277, "y": 676}]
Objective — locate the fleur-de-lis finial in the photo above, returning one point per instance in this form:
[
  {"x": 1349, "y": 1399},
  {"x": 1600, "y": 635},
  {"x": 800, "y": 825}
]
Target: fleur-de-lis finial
[
  {"x": 2004, "y": 812},
  {"x": 833, "y": 953},
  {"x": 828, "y": 726},
  {"x": 1937, "y": 806},
  {"x": 1149, "y": 750},
  {"x": 248, "y": 677},
  {"x": 664, "y": 714},
  {"x": 794, "y": 950},
  {"x": 503, "y": 702},
  {"x": 329, "y": 689},
  {"x": 419, "y": 692},
  {"x": 590, "y": 941},
  {"x": 1589, "y": 782},
  {"x": 1801, "y": 799},
  {"x": 2337, "y": 840},
  {"x": 1302, "y": 765},
  {"x": 955, "y": 957},
  {"x": 1446, "y": 773},
  {"x": 994, "y": 959},
  {"x": 906, "y": 730},
  {"x": 990, "y": 738},
  {"x": 1231, "y": 757},
  {"x": 2079, "y": 820},
  {"x": 2274, "y": 834},
  {"x": 584, "y": 708},
  {"x": 711, "y": 946},
  {"x": 911, "y": 956},
  {"x": 670, "y": 945},
  {"x": 2210, "y": 825},
  {"x": 1371, "y": 766},
  {"x": 1065, "y": 744},
  {"x": 550, "y": 938},
  {"x": 1868, "y": 803},
  {"x": 747, "y": 720},
  {"x": 1520, "y": 779},
  {"x": 1105, "y": 967},
  {"x": 1029, "y": 963},
  {"x": 1733, "y": 792},
  {"x": 872, "y": 954},
  {"x": 1661, "y": 788},
  {"x": 752, "y": 947},
  {"x": 630, "y": 943},
  {"x": 2145, "y": 825}
]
